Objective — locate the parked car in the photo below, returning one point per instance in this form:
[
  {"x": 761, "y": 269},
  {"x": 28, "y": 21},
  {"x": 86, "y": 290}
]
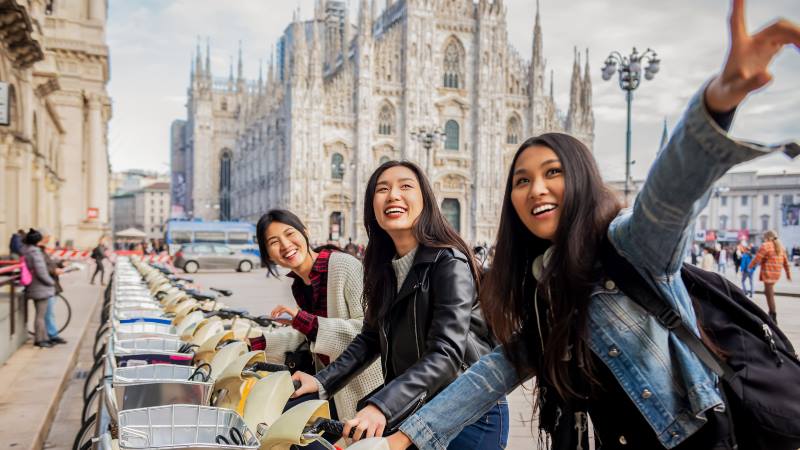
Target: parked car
[{"x": 193, "y": 257}]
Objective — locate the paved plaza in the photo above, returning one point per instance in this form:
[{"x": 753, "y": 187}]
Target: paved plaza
[{"x": 253, "y": 291}]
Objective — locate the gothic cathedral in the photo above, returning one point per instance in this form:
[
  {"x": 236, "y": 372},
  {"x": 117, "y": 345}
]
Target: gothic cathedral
[{"x": 339, "y": 99}]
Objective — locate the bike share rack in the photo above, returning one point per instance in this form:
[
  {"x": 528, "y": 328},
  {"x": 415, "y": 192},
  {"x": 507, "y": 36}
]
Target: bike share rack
[{"x": 167, "y": 358}]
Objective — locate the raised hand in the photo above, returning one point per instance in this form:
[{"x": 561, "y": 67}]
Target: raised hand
[{"x": 747, "y": 66}]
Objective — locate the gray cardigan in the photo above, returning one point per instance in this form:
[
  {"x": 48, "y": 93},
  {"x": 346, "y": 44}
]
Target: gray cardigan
[{"x": 43, "y": 286}]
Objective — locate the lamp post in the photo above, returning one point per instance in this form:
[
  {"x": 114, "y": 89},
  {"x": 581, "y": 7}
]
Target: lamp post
[
  {"x": 629, "y": 69},
  {"x": 428, "y": 137}
]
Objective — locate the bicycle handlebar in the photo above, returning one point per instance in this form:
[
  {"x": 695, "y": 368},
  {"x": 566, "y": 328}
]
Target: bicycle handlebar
[
  {"x": 222, "y": 292},
  {"x": 330, "y": 426}
]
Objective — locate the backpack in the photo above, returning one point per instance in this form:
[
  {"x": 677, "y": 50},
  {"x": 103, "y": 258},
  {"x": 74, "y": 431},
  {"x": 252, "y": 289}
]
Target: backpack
[
  {"x": 25, "y": 275},
  {"x": 759, "y": 370}
]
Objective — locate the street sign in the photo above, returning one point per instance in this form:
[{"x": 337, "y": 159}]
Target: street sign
[{"x": 4, "y": 119}]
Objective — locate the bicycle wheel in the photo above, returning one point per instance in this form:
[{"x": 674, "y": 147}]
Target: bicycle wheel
[
  {"x": 91, "y": 406},
  {"x": 93, "y": 379},
  {"x": 85, "y": 434},
  {"x": 62, "y": 311}
]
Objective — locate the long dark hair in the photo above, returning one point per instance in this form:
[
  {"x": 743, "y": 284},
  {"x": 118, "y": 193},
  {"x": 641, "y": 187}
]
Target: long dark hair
[
  {"x": 587, "y": 209},
  {"x": 431, "y": 229},
  {"x": 288, "y": 218}
]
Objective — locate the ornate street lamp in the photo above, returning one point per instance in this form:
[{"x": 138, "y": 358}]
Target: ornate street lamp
[
  {"x": 629, "y": 69},
  {"x": 428, "y": 137}
]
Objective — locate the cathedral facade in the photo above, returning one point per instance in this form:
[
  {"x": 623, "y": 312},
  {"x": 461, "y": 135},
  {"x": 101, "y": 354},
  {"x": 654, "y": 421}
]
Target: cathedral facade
[{"x": 340, "y": 98}]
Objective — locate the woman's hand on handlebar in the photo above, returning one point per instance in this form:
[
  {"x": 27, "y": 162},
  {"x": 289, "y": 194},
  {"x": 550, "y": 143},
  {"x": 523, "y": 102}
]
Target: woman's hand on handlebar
[
  {"x": 283, "y": 309},
  {"x": 369, "y": 422},
  {"x": 746, "y": 68},
  {"x": 399, "y": 441},
  {"x": 308, "y": 384}
]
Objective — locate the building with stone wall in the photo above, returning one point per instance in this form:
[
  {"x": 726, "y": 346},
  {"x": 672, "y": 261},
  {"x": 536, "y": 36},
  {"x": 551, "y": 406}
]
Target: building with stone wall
[
  {"x": 53, "y": 152},
  {"x": 338, "y": 99}
]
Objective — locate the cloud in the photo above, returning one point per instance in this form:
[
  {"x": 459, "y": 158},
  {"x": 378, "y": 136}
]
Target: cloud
[{"x": 152, "y": 42}]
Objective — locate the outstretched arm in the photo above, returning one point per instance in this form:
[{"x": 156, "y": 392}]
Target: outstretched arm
[{"x": 655, "y": 235}]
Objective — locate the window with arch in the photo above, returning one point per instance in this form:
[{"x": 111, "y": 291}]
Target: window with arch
[
  {"x": 723, "y": 222},
  {"x": 513, "y": 131},
  {"x": 384, "y": 160},
  {"x": 337, "y": 166},
  {"x": 744, "y": 222},
  {"x": 451, "y": 131},
  {"x": 386, "y": 120},
  {"x": 453, "y": 65},
  {"x": 765, "y": 222},
  {"x": 225, "y": 162}
]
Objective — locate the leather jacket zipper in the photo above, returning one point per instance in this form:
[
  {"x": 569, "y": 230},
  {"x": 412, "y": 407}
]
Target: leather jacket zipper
[
  {"x": 414, "y": 322},
  {"x": 384, "y": 361}
]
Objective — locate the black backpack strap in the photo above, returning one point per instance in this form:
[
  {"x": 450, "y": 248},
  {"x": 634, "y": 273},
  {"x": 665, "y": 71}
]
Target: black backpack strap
[{"x": 637, "y": 289}]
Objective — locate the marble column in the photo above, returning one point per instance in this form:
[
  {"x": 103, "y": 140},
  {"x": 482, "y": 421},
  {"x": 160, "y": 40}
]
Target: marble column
[{"x": 97, "y": 160}]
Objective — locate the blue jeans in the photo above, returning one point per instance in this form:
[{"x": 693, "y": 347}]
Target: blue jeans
[
  {"x": 747, "y": 276},
  {"x": 490, "y": 432},
  {"x": 50, "y": 318}
]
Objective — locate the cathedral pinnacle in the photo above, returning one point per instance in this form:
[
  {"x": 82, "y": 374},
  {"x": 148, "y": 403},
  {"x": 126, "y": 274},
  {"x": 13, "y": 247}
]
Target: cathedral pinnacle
[
  {"x": 240, "y": 71},
  {"x": 208, "y": 57},
  {"x": 198, "y": 62},
  {"x": 365, "y": 18}
]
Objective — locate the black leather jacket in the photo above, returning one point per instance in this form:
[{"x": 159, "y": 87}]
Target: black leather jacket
[{"x": 434, "y": 331}]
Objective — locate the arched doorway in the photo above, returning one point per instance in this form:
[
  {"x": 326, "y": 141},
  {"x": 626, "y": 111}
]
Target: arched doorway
[
  {"x": 226, "y": 158},
  {"x": 335, "y": 226},
  {"x": 451, "y": 209}
]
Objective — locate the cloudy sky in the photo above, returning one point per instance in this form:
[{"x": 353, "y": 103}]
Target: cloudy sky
[{"x": 152, "y": 41}]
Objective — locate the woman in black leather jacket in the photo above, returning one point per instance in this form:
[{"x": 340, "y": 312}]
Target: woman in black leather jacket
[{"x": 422, "y": 317}]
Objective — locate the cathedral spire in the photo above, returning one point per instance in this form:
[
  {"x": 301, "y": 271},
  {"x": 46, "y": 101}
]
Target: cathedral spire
[
  {"x": 551, "y": 85},
  {"x": 365, "y": 18},
  {"x": 586, "y": 87},
  {"x": 315, "y": 59},
  {"x": 198, "y": 61},
  {"x": 536, "y": 59},
  {"x": 575, "y": 94},
  {"x": 208, "y": 57},
  {"x": 230, "y": 71},
  {"x": 240, "y": 67}
]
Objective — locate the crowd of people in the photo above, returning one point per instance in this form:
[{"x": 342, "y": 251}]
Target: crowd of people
[{"x": 771, "y": 257}]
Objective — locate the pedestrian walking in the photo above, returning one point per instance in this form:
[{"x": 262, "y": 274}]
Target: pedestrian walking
[
  {"x": 42, "y": 286},
  {"x": 747, "y": 271},
  {"x": 15, "y": 244},
  {"x": 422, "y": 319},
  {"x": 98, "y": 255},
  {"x": 327, "y": 287},
  {"x": 55, "y": 269},
  {"x": 707, "y": 261},
  {"x": 772, "y": 257},
  {"x": 593, "y": 350},
  {"x": 722, "y": 262}
]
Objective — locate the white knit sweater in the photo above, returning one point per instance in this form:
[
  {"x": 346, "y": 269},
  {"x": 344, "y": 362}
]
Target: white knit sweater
[{"x": 335, "y": 332}]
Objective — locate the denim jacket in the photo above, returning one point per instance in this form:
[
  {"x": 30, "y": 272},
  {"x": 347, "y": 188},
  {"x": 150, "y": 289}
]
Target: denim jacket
[{"x": 669, "y": 385}]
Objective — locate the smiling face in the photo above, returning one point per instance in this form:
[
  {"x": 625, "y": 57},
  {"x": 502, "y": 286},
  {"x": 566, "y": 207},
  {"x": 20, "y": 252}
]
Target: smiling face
[
  {"x": 537, "y": 190},
  {"x": 398, "y": 200},
  {"x": 286, "y": 245}
]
